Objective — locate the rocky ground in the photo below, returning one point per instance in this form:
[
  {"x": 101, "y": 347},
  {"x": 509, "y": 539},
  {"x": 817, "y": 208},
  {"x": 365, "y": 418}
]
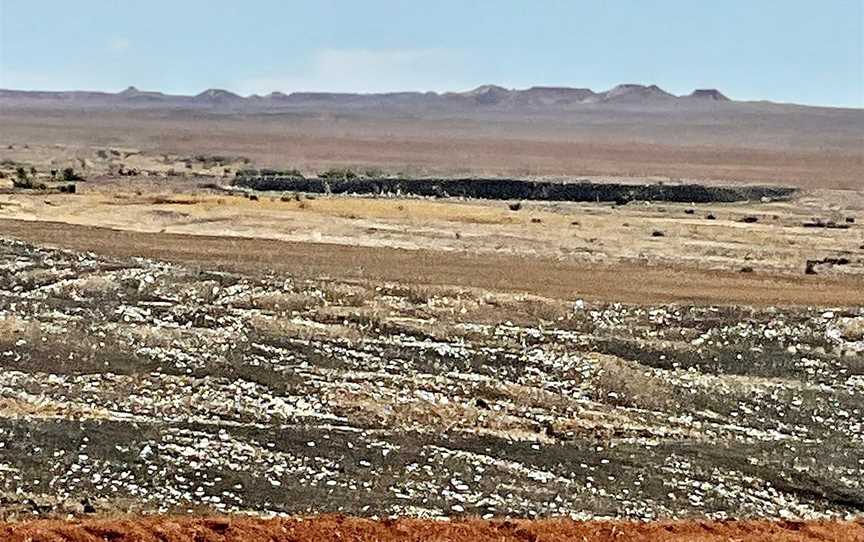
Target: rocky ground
[{"x": 141, "y": 386}]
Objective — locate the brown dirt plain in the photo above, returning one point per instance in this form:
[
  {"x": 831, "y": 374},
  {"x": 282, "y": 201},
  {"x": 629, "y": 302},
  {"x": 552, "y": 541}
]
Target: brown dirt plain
[
  {"x": 328, "y": 528},
  {"x": 706, "y": 253},
  {"x": 629, "y": 283},
  {"x": 807, "y": 147}
]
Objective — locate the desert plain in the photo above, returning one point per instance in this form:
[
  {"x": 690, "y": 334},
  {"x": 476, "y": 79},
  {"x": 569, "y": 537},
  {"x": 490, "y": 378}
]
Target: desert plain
[{"x": 174, "y": 343}]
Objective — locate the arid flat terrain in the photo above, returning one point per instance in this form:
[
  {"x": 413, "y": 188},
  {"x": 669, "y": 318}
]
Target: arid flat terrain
[
  {"x": 149, "y": 386},
  {"x": 491, "y": 132},
  {"x": 173, "y": 342},
  {"x": 540, "y": 276}
]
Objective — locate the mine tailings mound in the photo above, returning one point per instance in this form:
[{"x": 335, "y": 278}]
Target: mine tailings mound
[
  {"x": 327, "y": 528},
  {"x": 517, "y": 189}
]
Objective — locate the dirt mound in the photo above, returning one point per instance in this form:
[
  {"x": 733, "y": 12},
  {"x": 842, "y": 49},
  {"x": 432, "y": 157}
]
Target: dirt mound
[{"x": 359, "y": 530}]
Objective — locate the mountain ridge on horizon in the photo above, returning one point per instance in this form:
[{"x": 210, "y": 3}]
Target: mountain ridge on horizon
[{"x": 484, "y": 96}]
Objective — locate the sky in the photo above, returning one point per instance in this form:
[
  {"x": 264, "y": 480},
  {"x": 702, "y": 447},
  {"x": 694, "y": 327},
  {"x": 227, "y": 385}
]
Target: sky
[{"x": 801, "y": 51}]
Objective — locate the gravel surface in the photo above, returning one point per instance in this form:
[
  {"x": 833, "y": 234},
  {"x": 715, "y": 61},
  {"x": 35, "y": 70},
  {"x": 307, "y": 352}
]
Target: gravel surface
[{"x": 131, "y": 385}]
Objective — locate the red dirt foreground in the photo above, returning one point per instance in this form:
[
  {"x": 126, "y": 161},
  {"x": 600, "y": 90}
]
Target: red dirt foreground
[{"x": 338, "y": 528}]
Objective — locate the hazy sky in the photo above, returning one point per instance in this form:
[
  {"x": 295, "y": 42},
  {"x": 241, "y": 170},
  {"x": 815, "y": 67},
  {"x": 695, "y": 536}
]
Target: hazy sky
[{"x": 803, "y": 51}]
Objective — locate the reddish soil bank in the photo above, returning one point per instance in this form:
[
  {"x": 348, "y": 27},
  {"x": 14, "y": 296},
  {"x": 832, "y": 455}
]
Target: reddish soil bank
[{"x": 325, "y": 528}]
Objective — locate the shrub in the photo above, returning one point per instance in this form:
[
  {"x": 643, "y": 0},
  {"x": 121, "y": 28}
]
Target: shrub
[
  {"x": 21, "y": 179},
  {"x": 69, "y": 175},
  {"x": 629, "y": 384},
  {"x": 345, "y": 294},
  {"x": 338, "y": 174},
  {"x": 852, "y": 329},
  {"x": 281, "y": 302}
]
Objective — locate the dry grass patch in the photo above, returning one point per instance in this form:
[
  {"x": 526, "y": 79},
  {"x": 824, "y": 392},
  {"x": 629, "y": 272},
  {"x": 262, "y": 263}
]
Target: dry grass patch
[
  {"x": 200, "y": 292},
  {"x": 46, "y": 408},
  {"x": 36, "y": 278},
  {"x": 153, "y": 337},
  {"x": 432, "y": 329},
  {"x": 852, "y": 329},
  {"x": 419, "y": 414},
  {"x": 350, "y": 295},
  {"x": 365, "y": 318},
  {"x": 93, "y": 286},
  {"x": 413, "y": 209},
  {"x": 14, "y": 329},
  {"x": 626, "y": 383},
  {"x": 523, "y": 397},
  {"x": 525, "y": 309},
  {"x": 280, "y": 302},
  {"x": 278, "y": 329}
]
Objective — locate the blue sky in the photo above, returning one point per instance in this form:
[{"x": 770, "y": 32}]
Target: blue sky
[{"x": 802, "y": 51}]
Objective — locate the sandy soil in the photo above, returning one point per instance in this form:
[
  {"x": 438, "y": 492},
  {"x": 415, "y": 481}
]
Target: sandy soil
[
  {"x": 732, "y": 252},
  {"x": 708, "y": 236},
  {"x": 621, "y": 282},
  {"x": 339, "y": 528}
]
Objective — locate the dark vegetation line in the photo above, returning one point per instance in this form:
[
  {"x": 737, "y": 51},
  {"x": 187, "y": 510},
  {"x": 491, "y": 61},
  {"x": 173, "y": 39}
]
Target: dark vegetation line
[{"x": 513, "y": 189}]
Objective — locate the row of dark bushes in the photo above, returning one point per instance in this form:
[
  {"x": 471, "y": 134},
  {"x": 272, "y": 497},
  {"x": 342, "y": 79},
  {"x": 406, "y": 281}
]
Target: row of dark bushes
[{"x": 513, "y": 189}]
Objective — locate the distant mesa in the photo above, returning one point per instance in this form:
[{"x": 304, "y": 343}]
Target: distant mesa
[
  {"x": 555, "y": 95},
  {"x": 631, "y": 92},
  {"x": 708, "y": 94},
  {"x": 537, "y": 96},
  {"x": 488, "y": 94},
  {"x": 485, "y": 97},
  {"x": 133, "y": 93},
  {"x": 217, "y": 95},
  {"x": 483, "y": 90},
  {"x": 277, "y": 96}
]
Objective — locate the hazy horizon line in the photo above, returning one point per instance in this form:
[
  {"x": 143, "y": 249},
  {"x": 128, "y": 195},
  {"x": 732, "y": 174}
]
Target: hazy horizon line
[{"x": 415, "y": 91}]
